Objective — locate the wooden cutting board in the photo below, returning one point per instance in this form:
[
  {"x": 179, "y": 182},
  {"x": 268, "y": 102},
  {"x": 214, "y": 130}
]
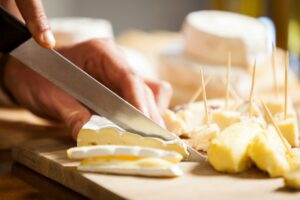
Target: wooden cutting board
[{"x": 200, "y": 181}]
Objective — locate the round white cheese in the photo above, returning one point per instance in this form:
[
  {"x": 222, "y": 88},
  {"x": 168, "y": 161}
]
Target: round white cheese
[{"x": 210, "y": 35}]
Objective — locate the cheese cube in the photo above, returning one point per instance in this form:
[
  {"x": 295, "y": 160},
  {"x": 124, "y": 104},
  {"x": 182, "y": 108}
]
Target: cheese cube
[
  {"x": 202, "y": 137},
  {"x": 175, "y": 124},
  {"x": 267, "y": 151},
  {"x": 294, "y": 160},
  {"x": 290, "y": 130},
  {"x": 225, "y": 118},
  {"x": 228, "y": 152},
  {"x": 292, "y": 179}
]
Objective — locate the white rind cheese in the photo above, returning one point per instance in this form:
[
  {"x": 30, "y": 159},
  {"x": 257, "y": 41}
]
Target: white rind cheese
[
  {"x": 117, "y": 150},
  {"x": 100, "y": 131},
  {"x": 153, "y": 167},
  {"x": 221, "y": 32}
]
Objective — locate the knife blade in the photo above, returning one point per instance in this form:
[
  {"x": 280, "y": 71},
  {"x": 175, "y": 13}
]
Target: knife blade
[{"x": 72, "y": 79}]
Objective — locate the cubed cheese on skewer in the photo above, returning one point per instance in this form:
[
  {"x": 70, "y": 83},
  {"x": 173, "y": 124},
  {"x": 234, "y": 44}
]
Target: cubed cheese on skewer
[
  {"x": 228, "y": 152},
  {"x": 289, "y": 128},
  {"x": 292, "y": 179},
  {"x": 268, "y": 153},
  {"x": 224, "y": 118},
  {"x": 201, "y": 137}
]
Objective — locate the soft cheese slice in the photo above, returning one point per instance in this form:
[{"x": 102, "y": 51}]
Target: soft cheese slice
[
  {"x": 268, "y": 153},
  {"x": 289, "y": 128},
  {"x": 122, "y": 152},
  {"x": 144, "y": 167},
  {"x": 100, "y": 131},
  {"x": 292, "y": 179},
  {"x": 228, "y": 152},
  {"x": 222, "y": 32},
  {"x": 202, "y": 137},
  {"x": 225, "y": 118}
]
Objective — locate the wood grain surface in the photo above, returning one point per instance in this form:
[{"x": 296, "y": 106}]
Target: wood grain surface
[{"x": 48, "y": 157}]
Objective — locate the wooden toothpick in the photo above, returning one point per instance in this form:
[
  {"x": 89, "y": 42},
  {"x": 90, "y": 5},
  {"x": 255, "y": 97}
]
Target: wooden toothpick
[
  {"x": 228, "y": 81},
  {"x": 286, "y": 145},
  {"x": 199, "y": 90},
  {"x": 286, "y": 84},
  {"x": 252, "y": 90},
  {"x": 274, "y": 70},
  {"x": 204, "y": 98}
]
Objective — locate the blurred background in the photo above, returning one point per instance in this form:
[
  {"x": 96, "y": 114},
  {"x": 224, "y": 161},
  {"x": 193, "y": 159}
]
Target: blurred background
[{"x": 169, "y": 14}]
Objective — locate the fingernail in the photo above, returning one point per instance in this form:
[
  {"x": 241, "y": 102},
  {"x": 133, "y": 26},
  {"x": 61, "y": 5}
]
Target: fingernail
[{"x": 48, "y": 39}]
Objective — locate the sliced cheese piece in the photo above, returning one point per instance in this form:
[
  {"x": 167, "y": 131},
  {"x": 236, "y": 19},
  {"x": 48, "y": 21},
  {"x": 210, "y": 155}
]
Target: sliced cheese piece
[
  {"x": 268, "y": 153},
  {"x": 120, "y": 151},
  {"x": 292, "y": 179},
  {"x": 289, "y": 127},
  {"x": 143, "y": 167},
  {"x": 228, "y": 152},
  {"x": 225, "y": 118},
  {"x": 202, "y": 137},
  {"x": 221, "y": 32},
  {"x": 100, "y": 131}
]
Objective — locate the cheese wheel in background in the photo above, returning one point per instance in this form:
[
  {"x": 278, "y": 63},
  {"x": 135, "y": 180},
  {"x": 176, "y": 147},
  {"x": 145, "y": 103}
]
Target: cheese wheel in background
[
  {"x": 185, "y": 76},
  {"x": 210, "y": 35},
  {"x": 68, "y": 31}
]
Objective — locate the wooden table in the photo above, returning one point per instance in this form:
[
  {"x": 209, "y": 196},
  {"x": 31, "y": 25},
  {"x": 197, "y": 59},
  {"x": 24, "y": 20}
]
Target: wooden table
[{"x": 16, "y": 181}]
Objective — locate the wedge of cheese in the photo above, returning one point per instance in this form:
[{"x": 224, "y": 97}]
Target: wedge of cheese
[
  {"x": 289, "y": 128},
  {"x": 225, "y": 118},
  {"x": 292, "y": 179},
  {"x": 122, "y": 153},
  {"x": 221, "y": 32},
  {"x": 202, "y": 137},
  {"x": 268, "y": 153},
  {"x": 100, "y": 131},
  {"x": 143, "y": 167},
  {"x": 228, "y": 152},
  {"x": 129, "y": 160}
]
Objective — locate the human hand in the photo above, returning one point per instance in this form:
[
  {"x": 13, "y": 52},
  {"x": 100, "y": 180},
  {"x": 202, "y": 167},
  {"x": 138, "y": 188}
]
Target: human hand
[
  {"x": 36, "y": 21},
  {"x": 104, "y": 61}
]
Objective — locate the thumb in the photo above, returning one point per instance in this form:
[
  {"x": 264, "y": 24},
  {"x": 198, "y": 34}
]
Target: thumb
[{"x": 37, "y": 22}]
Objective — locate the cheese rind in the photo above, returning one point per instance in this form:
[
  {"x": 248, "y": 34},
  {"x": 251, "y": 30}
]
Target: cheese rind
[{"x": 228, "y": 152}]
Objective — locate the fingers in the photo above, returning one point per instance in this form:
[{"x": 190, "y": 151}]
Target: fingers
[
  {"x": 162, "y": 92},
  {"x": 36, "y": 21}
]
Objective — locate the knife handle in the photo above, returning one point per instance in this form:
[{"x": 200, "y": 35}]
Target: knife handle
[{"x": 12, "y": 32}]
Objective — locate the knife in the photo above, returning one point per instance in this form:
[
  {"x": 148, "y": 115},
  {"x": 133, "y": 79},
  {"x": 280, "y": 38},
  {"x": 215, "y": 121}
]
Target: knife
[{"x": 16, "y": 40}]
